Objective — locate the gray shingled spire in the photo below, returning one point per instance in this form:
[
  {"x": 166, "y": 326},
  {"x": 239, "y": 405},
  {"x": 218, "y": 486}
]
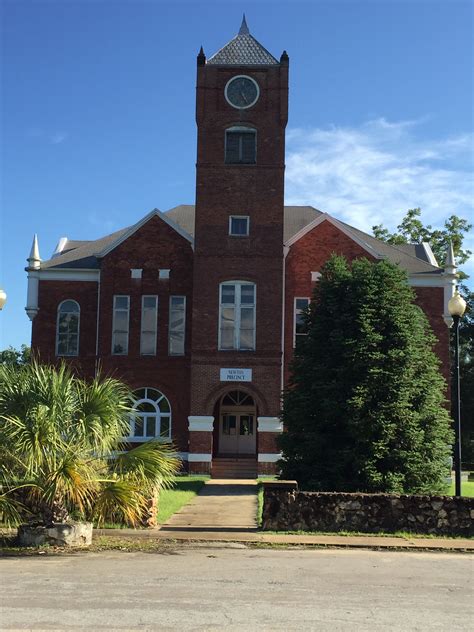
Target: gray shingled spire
[
  {"x": 243, "y": 50},
  {"x": 244, "y": 29},
  {"x": 450, "y": 260}
]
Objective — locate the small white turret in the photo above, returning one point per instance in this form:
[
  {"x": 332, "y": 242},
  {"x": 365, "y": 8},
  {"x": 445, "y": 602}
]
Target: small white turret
[
  {"x": 34, "y": 266},
  {"x": 34, "y": 260}
]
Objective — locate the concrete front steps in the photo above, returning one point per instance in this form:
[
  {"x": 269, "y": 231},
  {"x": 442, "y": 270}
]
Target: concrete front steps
[{"x": 234, "y": 467}]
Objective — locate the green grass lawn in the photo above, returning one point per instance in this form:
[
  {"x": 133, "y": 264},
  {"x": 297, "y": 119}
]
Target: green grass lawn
[
  {"x": 184, "y": 490},
  {"x": 467, "y": 489}
]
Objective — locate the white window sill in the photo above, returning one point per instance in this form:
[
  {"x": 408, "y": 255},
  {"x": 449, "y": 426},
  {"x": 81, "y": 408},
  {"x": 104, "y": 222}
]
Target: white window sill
[{"x": 145, "y": 439}]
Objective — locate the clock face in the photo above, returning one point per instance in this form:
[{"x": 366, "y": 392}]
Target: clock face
[{"x": 242, "y": 92}]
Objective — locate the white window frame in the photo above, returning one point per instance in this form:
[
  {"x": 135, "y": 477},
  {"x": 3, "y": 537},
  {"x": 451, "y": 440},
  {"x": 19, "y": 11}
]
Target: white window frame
[
  {"x": 158, "y": 416},
  {"x": 142, "y": 331},
  {"x": 237, "y": 313},
  {"x": 297, "y": 312},
  {"x": 58, "y": 314},
  {"x": 184, "y": 325},
  {"x": 128, "y": 323},
  {"x": 231, "y": 217}
]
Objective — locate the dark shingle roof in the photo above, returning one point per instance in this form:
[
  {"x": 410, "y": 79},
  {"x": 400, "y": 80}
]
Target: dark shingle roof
[
  {"x": 83, "y": 253},
  {"x": 243, "y": 50},
  {"x": 411, "y": 257},
  {"x": 395, "y": 254},
  {"x": 295, "y": 218}
]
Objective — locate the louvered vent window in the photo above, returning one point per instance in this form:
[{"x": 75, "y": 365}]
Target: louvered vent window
[{"x": 240, "y": 146}]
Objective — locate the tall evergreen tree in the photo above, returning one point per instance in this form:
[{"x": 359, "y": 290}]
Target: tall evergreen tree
[
  {"x": 365, "y": 409},
  {"x": 455, "y": 229}
]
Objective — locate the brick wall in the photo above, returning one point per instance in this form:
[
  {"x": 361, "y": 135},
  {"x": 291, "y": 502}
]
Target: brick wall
[
  {"x": 431, "y": 300},
  {"x": 43, "y": 339},
  {"x": 170, "y": 375}
]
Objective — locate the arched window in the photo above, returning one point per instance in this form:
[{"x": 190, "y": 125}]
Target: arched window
[
  {"x": 151, "y": 418},
  {"x": 237, "y": 315},
  {"x": 240, "y": 145},
  {"x": 67, "y": 328}
]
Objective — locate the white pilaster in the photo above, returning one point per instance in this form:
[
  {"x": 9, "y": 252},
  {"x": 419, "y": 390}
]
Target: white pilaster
[
  {"x": 203, "y": 457},
  {"x": 200, "y": 423},
  {"x": 269, "y": 458},
  {"x": 32, "y": 294},
  {"x": 34, "y": 266},
  {"x": 269, "y": 424}
]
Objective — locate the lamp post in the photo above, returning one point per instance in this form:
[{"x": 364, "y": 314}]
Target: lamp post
[
  {"x": 3, "y": 298},
  {"x": 456, "y": 307}
]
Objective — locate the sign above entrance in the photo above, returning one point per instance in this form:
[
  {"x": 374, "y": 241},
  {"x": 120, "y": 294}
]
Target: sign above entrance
[{"x": 236, "y": 375}]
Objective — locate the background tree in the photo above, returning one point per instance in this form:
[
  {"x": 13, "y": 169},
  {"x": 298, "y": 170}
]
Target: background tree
[
  {"x": 412, "y": 230},
  {"x": 365, "y": 407},
  {"x": 14, "y": 356}
]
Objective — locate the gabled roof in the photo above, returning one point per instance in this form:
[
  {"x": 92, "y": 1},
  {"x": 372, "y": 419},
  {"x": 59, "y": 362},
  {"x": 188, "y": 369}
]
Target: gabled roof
[
  {"x": 298, "y": 221},
  {"x": 87, "y": 254},
  {"x": 375, "y": 247},
  {"x": 243, "y": 50}
]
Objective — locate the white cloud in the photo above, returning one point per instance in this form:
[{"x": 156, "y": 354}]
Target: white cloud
[
  {"x": 47, "y": 136},
  {"x": 57, "y": 138},
  {"x": 374, "y": 173}
]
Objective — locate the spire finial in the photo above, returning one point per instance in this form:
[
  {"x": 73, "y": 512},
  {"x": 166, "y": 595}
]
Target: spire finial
[
  {"x": 201, "y": 58},
  {"x": 450, "y": 260},
  {"x": 244, "y": 29},
  {"x": 34, "y": 259}
]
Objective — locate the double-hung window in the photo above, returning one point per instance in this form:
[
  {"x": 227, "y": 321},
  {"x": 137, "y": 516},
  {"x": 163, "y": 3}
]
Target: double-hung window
[
  {"x": 177, "y": 325},
  {"x": 237, "y": 316},
  {"x": 120, "y": 325},
  {"x": 67, "y": 329},
  {"x": 241, "y": 145},
  {"x": 148, "y": 325},
  {"x": 300, "y": 329}
]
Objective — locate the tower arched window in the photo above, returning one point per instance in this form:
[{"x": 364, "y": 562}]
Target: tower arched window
[
  {"x": 151, "y": 417},
  {"x": 67, "y": 328},
  {"x": 237, "y": 303},
  {"x": 240, "y": 145}
]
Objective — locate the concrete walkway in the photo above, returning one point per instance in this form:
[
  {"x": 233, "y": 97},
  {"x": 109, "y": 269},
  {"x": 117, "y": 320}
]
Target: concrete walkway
[{"x": 221, "y": 505}]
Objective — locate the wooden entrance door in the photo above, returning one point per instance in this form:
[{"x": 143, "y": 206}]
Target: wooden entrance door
[{"x": 237, "y": 424}]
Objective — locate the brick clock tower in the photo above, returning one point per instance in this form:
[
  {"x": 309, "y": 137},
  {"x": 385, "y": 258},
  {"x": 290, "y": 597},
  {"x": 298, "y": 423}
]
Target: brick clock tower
[{"x": 236, "y": 374}]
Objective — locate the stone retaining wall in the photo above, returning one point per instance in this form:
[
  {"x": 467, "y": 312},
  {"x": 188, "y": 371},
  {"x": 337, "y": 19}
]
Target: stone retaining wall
[{"x": 290, "y": 510}]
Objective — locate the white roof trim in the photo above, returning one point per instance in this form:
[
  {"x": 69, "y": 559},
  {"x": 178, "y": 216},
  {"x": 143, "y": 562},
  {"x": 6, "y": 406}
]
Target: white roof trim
[
  {"x": 128, "y": 233},
  {"x": 69, "y": 274},
  {"x": 332, "y": 220}
]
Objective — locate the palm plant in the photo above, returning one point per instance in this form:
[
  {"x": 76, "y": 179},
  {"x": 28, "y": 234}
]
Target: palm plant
[{"x": 62, "y": 450}]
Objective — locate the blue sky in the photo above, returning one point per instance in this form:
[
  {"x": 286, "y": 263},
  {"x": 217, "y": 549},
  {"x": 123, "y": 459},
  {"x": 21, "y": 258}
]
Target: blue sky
[{"x": 98, "y": 114}]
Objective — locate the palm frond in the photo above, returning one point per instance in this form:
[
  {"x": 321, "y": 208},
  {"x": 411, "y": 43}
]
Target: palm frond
[
  {"x": 10, "y": 510},
  {"x": 153, "y": 463},
  {"x": 121, "y": 501}
]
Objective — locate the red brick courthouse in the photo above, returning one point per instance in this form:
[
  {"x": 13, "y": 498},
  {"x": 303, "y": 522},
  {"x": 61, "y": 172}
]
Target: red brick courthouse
[{"x": 198, "y": 308}]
